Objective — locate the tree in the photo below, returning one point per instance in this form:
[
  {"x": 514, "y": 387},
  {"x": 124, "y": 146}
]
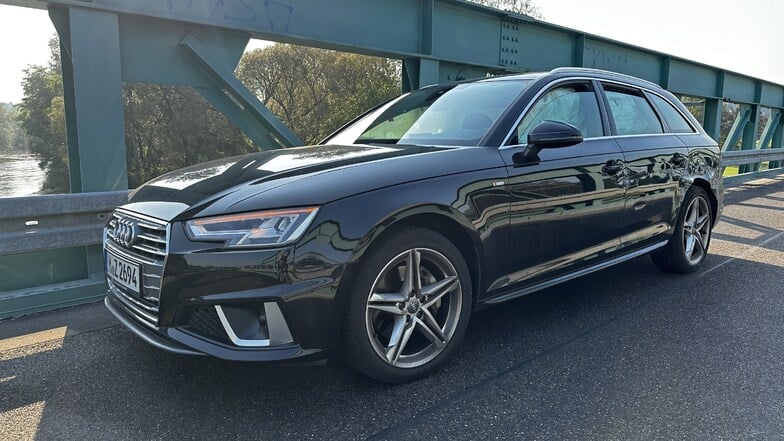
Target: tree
[
  {"x": 6, "y": 127},
  {"x": 167, "y": 128},
  {"x": 41, "y": 116},
  {"x": 525, "y": 7},
  {"x": 315, "y": 91}
]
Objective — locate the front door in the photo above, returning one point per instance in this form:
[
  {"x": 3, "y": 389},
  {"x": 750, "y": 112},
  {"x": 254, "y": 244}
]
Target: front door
[{"x": 567, "y": 209}]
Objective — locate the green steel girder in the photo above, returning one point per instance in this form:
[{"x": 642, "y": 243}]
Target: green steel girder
[
  {"x": 749, "y": 139},
  {"x": 767, "y": 133},
  {"x": 92, "y": 86},
  {"x": 777, "y": 142},
  {"x": 238, "y": 103},
  {"x": 713, "y": 107},
  {"x": 204, "y": 58},
  {"x": 772, "y": 125},
  {"x": 93, "y": 102},
  {"x": 452, "y": 31},
  {"x": 738, "y": 128}
]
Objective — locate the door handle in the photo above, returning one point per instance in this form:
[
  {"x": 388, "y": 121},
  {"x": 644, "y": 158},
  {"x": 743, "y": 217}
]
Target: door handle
[{"x": 612, "y": 167}]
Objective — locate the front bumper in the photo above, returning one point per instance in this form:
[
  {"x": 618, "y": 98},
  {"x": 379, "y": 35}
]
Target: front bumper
[
  {"x": 248, "y": 305},
  {"x": 151, "y": 337},
  {"x": 185, "y": 340}
]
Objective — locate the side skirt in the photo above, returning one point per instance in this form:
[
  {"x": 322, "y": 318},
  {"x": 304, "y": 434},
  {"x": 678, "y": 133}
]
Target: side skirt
[{"x": 585, "y": 271}]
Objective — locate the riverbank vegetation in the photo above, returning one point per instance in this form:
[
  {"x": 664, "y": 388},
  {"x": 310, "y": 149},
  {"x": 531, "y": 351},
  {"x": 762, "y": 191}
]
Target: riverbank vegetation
[{"x": 12, "y": 137}]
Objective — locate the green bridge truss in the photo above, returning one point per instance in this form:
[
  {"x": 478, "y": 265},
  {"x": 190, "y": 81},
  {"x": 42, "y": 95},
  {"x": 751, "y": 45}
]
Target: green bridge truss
[{"x": 198, "y": 43}]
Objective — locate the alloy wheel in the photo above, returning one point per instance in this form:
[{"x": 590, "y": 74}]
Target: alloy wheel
[
  {"x": 696, "y": 230},
  {"x": 413, "y": 308}
]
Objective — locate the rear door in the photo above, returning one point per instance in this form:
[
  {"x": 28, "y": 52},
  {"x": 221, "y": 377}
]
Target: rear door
[
  {"x": 654, "y": 160},
  {"x": 566, "y": 210}
]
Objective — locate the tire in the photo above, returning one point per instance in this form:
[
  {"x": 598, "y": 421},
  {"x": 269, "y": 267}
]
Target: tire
[
  {"x": 395, "y": 332},
  {"x": 689, "y": 243}
]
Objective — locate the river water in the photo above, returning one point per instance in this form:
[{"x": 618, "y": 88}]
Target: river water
[{"x": 20, "y": 175}]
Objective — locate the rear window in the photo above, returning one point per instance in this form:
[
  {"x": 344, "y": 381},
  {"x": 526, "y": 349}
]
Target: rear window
[
  {"x": 675, "y": 121},
  {"x": 631, "y": 112}
]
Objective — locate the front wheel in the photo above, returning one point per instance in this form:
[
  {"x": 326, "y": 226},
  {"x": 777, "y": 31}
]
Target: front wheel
[
  {"x": 409, "y": 307},
  {"x": 688, "y": 245}
]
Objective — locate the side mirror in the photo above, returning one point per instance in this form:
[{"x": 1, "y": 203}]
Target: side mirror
[{"x": 549, "y": 135}]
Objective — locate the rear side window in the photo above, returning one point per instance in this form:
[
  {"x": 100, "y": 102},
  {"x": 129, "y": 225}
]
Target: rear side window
[
  {"x": 675, "y": 121},
  {"x": 573, "y": 104},
  {"x": 631, "y": 112}
]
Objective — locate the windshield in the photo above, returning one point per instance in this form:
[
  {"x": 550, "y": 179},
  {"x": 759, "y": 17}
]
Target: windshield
[{"x": 449, "y": 115}]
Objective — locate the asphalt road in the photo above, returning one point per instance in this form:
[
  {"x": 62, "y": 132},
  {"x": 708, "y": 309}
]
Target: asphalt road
[{"x": 627, "y": 353}]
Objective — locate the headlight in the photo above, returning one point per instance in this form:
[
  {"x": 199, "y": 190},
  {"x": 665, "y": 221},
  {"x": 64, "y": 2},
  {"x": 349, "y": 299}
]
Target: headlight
[{"x": 272, "y": 228}]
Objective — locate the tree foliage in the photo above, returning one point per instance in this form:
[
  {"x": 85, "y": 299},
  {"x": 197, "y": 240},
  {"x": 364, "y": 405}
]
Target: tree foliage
[
  {"x": 167, "y": 128},
  {"x": 313, "y": 91},
  {"x": 525, "y": 7},
  {"x": 8, "y": 129},
  {"x": 41, "y": 116}
]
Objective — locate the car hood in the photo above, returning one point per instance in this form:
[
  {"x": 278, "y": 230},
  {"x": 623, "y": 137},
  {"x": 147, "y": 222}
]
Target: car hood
[{"x": 301, "y": 176}]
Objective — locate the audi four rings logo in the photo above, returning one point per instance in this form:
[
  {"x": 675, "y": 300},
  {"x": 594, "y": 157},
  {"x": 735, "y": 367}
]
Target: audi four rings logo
[{"x": 125, "y": 232}]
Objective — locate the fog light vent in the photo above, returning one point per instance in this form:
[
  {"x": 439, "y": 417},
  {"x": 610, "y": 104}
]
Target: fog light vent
[
  {"x": 251, "y": 327},
  {"x": 205, "y": 322}
]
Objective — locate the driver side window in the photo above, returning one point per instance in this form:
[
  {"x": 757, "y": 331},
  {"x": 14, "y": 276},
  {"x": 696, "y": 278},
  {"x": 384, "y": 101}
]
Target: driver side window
[{"x": 573, "y": 104}]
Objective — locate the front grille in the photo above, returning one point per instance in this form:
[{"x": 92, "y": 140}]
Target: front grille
[
  {"x": 205, "y": 322},
  {"x": 148, "y": 248},
  {"x": 151, "y": 238}
]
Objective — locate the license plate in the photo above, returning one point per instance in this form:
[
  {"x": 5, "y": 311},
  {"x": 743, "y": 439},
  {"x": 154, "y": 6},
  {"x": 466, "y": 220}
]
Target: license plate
[{"x": 123, "y": 272}]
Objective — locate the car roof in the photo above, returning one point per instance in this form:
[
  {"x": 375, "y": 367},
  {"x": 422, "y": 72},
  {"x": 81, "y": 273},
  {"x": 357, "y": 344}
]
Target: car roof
[{"x": 563, "y": 72}]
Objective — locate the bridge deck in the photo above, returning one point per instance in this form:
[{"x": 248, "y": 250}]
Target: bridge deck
[{"x": 625, "y": 353}]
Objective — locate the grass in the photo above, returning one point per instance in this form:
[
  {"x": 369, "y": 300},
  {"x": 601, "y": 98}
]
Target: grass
[{"x": 732, "y": 170}]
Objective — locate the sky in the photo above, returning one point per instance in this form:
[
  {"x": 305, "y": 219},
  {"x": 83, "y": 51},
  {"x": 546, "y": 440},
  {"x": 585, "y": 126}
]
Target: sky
[{"x": 739, "y": 36}]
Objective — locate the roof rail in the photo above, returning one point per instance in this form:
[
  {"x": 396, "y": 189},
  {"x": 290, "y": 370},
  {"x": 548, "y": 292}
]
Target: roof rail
[{"x": 603, "y": 72}]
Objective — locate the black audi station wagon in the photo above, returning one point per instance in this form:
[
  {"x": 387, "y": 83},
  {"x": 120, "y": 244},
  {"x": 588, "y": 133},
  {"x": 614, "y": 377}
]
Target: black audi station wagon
[{"x": 379, "y": 243}]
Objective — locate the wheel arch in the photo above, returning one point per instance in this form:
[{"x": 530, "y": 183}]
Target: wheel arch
[
  {"x": 705, "y": 185},
  {"x": 441, "y": 219}
]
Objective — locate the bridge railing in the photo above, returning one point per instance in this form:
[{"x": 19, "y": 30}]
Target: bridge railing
[
  {"x": 49, "y": 250},
  {"x": 741, "y": 157},
  {"x": 33, "y": 225}
]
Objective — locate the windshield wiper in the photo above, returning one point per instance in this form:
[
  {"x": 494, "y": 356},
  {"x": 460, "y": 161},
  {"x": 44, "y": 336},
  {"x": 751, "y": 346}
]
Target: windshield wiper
[{"x": 377, "y": 141}]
